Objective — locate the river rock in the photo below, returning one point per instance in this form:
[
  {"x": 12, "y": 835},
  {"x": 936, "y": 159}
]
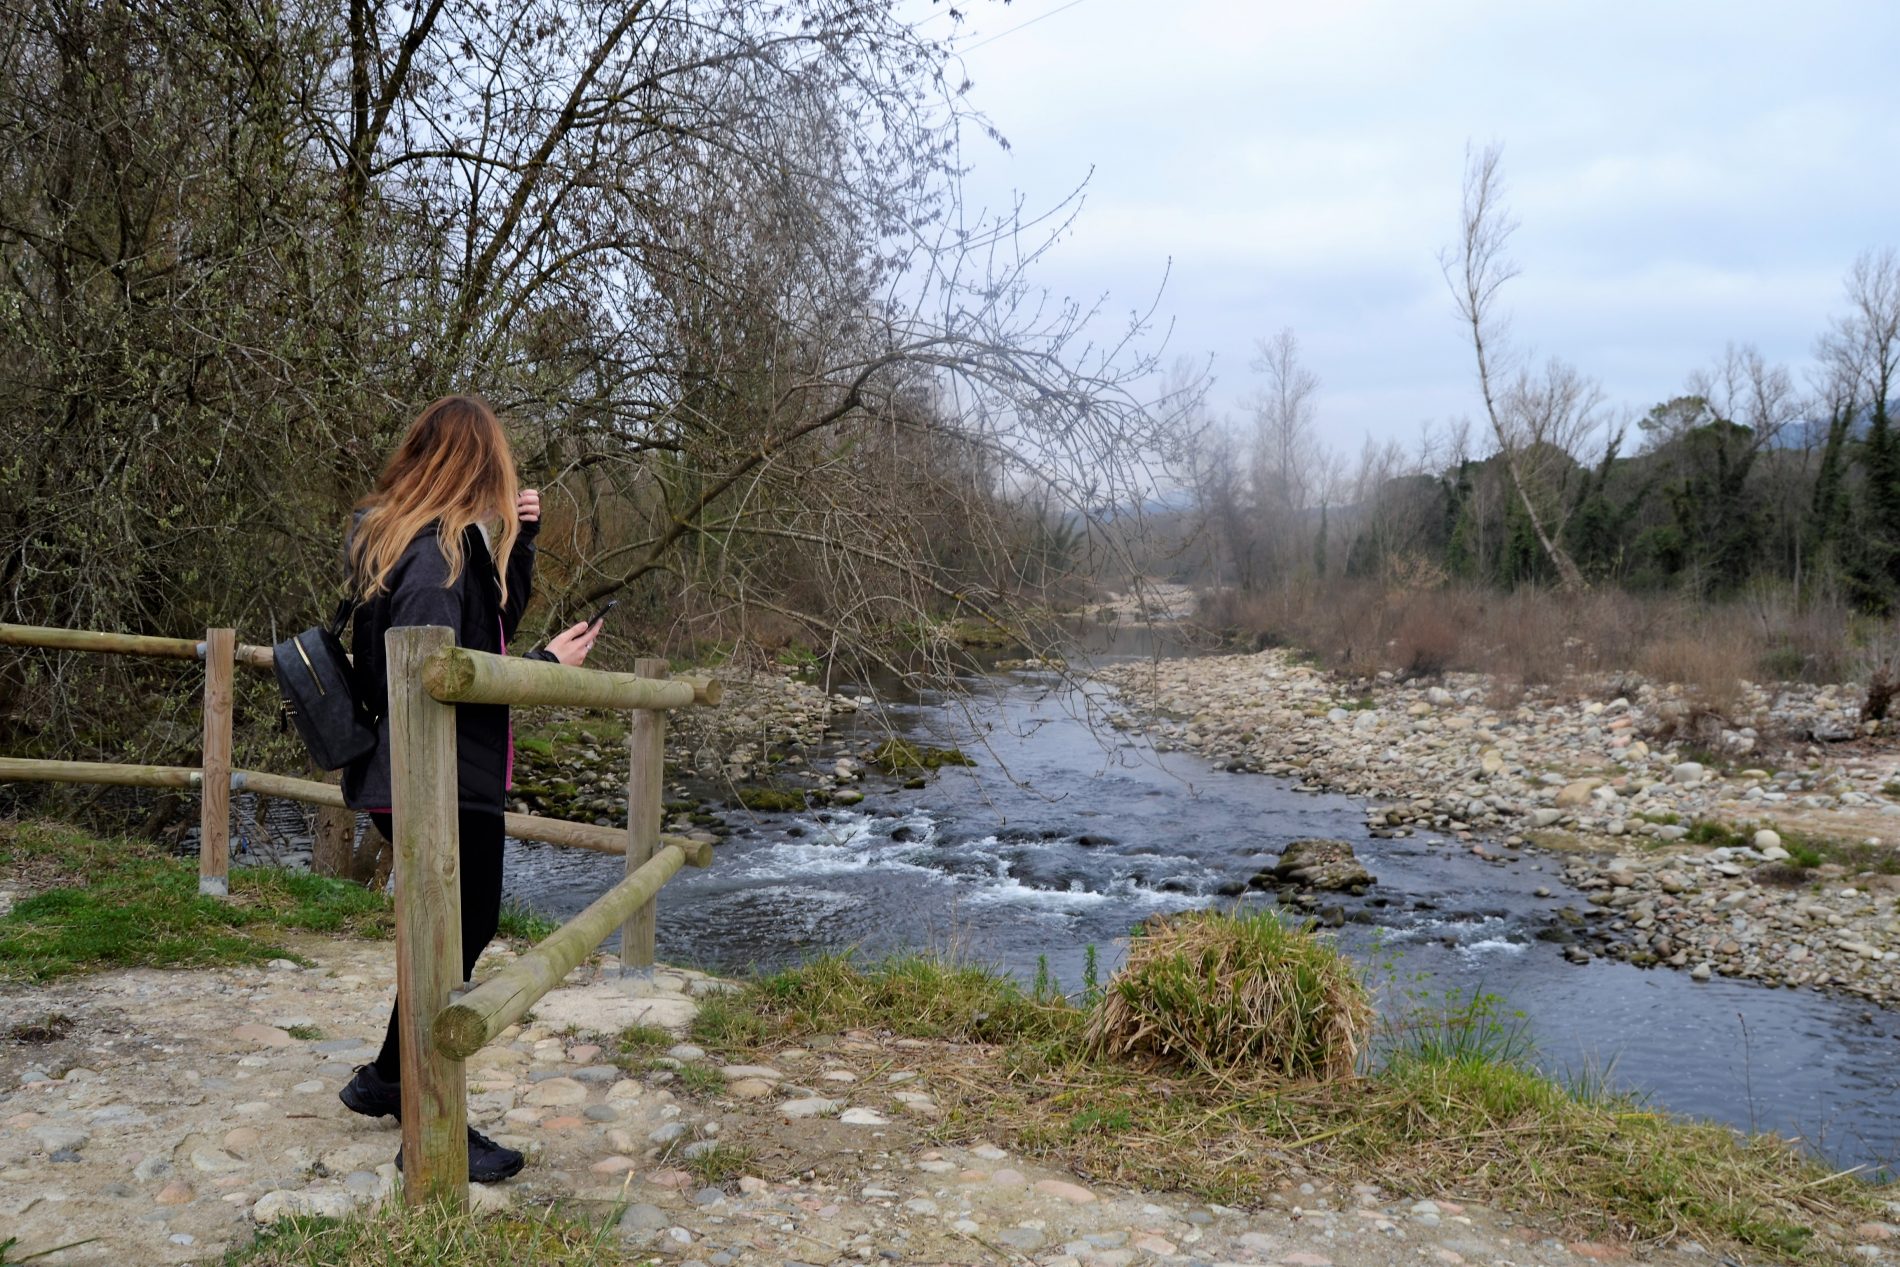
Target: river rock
[
  {"x": 286, "y": 1202},
  {"x": 1577, "y": 794},
  {"x": 1321, "y": 864}
]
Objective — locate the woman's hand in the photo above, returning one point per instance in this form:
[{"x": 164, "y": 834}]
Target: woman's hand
[
  {"x": 571, "y": 647},
  {"x": 528, "y": 506}
]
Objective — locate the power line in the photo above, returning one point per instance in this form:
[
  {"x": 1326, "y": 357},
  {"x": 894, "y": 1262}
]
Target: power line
[{"x": 1012, "y": 30}]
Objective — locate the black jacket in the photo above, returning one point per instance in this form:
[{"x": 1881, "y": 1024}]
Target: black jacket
[{"x": 416, "y": 595}]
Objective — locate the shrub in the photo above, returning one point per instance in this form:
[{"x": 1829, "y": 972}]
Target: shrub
[{"x": 1243, "y": 993}]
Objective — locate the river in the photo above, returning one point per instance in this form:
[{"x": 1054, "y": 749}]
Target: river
[{"x": 1066, "y": 834}]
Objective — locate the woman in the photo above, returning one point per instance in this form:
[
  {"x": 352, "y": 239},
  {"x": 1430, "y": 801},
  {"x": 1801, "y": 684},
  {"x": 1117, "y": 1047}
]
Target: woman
[{"x": 423, "y": 551}]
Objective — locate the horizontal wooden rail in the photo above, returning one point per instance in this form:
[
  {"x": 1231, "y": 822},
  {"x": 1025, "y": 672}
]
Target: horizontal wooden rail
[
  {"x": 460, "y": 676},
  {"x": 30, "y": 770},
  {"x": 553, "y": 831},
  {"x": 249, "y": 657},
  {"x": 465, "y": 1026},
  {"x": 108, "y": 643}
]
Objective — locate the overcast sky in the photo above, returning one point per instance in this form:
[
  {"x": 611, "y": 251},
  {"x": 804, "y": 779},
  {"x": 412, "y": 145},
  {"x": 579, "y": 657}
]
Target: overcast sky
[{"x": 1686, "y": 174}]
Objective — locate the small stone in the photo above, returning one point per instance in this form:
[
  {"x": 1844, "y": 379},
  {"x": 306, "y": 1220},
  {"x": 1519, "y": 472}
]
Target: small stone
[
  {"x": 750, "y": 1089},
  {"x": 643, "y": 1218},
  {"x": 286, "y": 1202},
  {"x": 736, "y": 1072},
  {"x": 922, "y": 1205},
  {"x": 809, "y": 1106},
  {"x": 151, "y": 1168},
  {"x": 240, "y": 1139},
  {"x": 988, "y": 1152},
  {"x": 215, "y": 1161},
  {"x": 601, "y": 1113},
  {"x": 557, "y": 1093},
  {"x": 668, "y": 1133},
  {"x": 177, "y": 1192},
  {"x": 55, "y": 1139},
  {"x": 686, "y": 1053},
  {"x": 1007, "y": 1178},
  {"x": 1062, "y": 1190},
  {"x": 613, "y": 1165},
  {"x": 863, "y": 1117}
]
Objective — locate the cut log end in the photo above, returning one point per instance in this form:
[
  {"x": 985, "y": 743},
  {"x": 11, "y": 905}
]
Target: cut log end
[
  {"x": 459, "y": 1031},
  {"x": 448, "y": 673}
]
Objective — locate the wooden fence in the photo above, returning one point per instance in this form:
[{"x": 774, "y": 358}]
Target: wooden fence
[{"x": 428, "y": 675}]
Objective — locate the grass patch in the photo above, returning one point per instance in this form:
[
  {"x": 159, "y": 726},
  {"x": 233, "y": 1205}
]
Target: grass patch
[
  {"x": 700, "y": 1078},
  {"x": 433, "y": 1234},
  {"x": 912, "y": 996},
  {"x": 640, "y": 1040},
  {"x": 1227, "y": 994},
  {"x": 719, "y": 1165},
  {"x": 1660, "y": 820},
  {"x": 520, "y": 924},
  {"x": 137, "y": 908},
  {"x": 305, "y": 1033},
  {"x": 1808, "y": 850},
  {"x": 900, "y": 756},
  {"x": 1719, "y": 835},
  {"x": 1451, "y": 1106}
]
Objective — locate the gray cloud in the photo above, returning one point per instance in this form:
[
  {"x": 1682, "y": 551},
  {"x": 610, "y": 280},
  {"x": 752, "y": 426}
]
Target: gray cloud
[{"x": 1687, "y": 174}]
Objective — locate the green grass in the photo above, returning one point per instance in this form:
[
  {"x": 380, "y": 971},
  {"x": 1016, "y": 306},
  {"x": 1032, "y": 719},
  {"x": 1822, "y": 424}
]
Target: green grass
[
  {"x": 1718, "y": 835},
  {"x": 1452, "y": 1105},
  {"x": 118, "y": 903},
  {"x": 644, "y": 1039},
  {"x": 434, "y": 1235},
  {"x": 1805, "y": 849},
  {"x": 305, "y": 1033},
  {"x": 520, "y": 924},
  {"x": 720, "y": 1164},
  {"x": 701, "y": 1079}
]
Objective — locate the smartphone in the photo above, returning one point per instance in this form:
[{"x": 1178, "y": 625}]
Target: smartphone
[{"x": 602, "y": 614}]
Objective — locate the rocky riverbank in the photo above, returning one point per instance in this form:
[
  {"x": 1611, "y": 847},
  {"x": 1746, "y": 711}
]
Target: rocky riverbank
[
  {"x": 1714, "y": 863},
  {"x": 165, "y": 1115}
]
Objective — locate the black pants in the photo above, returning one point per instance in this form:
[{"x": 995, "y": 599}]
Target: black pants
[{"x": 481, "y": 907}]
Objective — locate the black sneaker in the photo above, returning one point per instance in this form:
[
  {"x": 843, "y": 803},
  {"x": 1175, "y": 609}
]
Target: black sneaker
[
  {"x": 488, "y": 1162},
  {"x": 372, "y": 1095}
]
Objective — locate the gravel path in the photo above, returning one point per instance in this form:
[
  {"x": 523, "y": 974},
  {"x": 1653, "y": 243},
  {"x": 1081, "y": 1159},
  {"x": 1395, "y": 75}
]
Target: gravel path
[{"x": 181, "y": 1109}]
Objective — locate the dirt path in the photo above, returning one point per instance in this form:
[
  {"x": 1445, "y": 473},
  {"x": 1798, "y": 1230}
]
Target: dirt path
[{"x": 170, "y": 1112}]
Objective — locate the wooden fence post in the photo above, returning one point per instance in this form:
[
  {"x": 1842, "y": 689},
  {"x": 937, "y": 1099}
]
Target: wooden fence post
[
  {"x": 214, "y": 797},
  {"x": 428, "y": 918},
  {"x": 646, "y": 792}
]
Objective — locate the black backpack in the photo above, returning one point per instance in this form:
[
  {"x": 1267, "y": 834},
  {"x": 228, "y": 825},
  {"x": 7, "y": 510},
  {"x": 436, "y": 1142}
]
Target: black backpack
[{"x": 320, "y": 696}]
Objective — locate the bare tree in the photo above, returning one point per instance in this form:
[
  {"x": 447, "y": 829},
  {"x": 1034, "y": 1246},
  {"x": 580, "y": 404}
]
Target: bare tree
[
  {"x": 1284, "y": 450},
  {"x": 1524, "y": 413}
]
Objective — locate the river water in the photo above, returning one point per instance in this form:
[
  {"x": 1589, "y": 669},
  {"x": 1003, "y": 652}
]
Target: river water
[{"x": 1066, "y": 834}]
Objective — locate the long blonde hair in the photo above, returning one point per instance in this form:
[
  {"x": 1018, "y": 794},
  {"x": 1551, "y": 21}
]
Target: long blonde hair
[{"x": 453, "y": 468}]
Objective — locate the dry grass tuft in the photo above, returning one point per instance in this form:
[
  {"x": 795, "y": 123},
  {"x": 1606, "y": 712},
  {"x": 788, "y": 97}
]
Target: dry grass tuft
[{"x": 1244, "y": 994}]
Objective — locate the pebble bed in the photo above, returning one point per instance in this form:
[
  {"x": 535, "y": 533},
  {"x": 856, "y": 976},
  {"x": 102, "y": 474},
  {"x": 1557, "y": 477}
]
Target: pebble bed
[{"x": 1582, "y": 771}]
